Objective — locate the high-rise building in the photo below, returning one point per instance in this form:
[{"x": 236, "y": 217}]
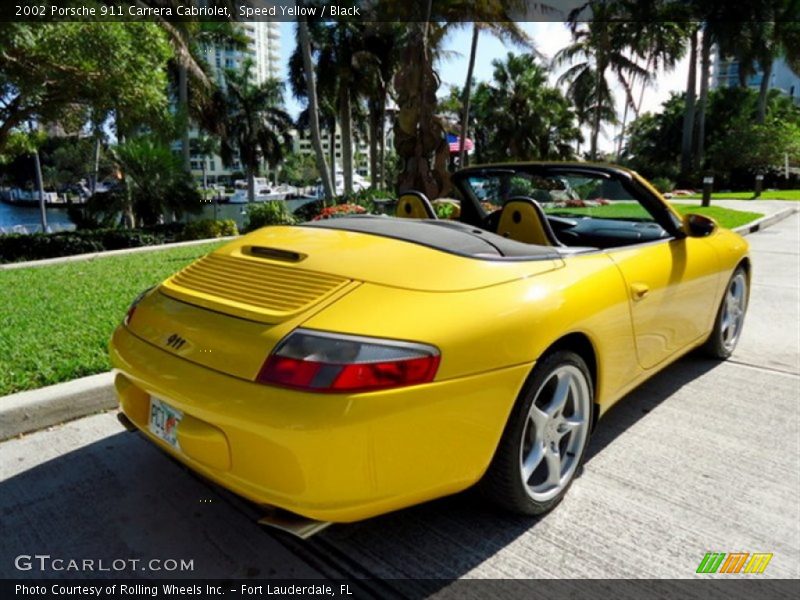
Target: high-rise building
[
  {"x": 725, "y": 73},
  {"x": 263, "y": 49}
]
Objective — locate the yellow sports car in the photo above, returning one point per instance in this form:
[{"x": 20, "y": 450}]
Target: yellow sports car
[{"x": 348, "y": 367}]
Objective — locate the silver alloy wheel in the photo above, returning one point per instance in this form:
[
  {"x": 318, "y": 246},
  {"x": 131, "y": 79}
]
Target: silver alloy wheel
[
  {"x": 555, "y": 433},
  {"x": 734, "y": 306}
]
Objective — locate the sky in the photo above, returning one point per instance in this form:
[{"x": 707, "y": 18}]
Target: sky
[{"x": 549, "y": 38}]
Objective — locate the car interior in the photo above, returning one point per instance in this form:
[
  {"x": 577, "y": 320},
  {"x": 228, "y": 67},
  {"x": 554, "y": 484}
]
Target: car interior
[{"x": 529, "y": 212}]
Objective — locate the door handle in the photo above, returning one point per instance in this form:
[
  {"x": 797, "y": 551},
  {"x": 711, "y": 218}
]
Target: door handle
[{"x": 639, "y": 291}]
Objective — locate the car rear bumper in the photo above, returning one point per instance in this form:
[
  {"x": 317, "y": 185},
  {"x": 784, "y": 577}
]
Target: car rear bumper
[{"x": 331, "y": 457}]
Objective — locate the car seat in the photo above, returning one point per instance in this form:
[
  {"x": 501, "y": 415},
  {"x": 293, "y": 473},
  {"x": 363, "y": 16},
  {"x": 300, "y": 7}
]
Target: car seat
[
  {"x": 414, "y": 205},
  {"x": 523, "y": 220}
]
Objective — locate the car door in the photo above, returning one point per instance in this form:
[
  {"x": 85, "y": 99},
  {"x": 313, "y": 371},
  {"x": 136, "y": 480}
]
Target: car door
[{"x": 672, "y": 286}]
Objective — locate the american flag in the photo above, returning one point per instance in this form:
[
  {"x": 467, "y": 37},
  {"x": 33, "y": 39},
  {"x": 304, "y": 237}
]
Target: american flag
[{"x": 453, "y": 140}]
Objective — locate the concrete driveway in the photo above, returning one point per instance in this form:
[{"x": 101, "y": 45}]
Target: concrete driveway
[{"x": 704, "y": 457}]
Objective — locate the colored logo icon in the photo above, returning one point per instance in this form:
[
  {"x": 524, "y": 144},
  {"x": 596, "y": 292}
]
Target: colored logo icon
[{"x": 735, "y": 562}]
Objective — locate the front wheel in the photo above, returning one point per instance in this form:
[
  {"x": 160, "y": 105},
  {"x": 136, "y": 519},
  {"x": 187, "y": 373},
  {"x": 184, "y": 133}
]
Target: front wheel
[
  {"x": 545, "y": 438},
  {"x": 730, "y": 317}
]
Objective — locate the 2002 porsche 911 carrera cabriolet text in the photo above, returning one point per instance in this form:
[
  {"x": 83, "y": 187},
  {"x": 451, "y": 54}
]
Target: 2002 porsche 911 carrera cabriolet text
[{"x": 344, "y": 368}]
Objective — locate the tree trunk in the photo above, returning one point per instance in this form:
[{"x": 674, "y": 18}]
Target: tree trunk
[
  {"x": 313, "y": 106},
  {"x": 183, "y": 101},
  {"x": 332, "y": 144},
  {"x": 462, "y": 151},
  {"x": 374, "y": 115},
  {"x": 40, "y": 187},
  {"x": 205, "y": 179},
  {"x": 622, "y": 131},
  {"x": 347, "y": 138},
  {"x": 763, "y": 93},
  {"x": 705, "y": 74},
  {"x": 688, "y": 115},
  {"x": 596, "y": 117},
  {"x": 96, "y": 165},
  {"x": 382, "y": 142}
]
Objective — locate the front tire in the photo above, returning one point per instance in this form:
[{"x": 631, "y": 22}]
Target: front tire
[
  {"x": 730, "y": 317},
  {"x": 545, "y": 439}
]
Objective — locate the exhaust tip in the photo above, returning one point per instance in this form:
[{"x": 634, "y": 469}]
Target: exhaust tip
[
  {"x": 297, "y": 525},
  {"x": 126, "y": 422}
]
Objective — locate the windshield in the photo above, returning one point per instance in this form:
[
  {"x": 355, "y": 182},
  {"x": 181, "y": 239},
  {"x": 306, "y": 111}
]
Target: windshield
[{"x": 560, "y": 193}]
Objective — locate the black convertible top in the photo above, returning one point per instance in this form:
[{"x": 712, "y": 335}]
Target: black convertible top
[{"x": 447, "y": 236}]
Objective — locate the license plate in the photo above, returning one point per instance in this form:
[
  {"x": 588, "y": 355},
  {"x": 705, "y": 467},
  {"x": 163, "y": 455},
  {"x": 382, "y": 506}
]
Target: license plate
[{"x": 164, "y": 421}]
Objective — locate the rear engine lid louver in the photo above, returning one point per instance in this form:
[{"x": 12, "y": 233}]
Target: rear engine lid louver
[{"x": 250, "y": 287}]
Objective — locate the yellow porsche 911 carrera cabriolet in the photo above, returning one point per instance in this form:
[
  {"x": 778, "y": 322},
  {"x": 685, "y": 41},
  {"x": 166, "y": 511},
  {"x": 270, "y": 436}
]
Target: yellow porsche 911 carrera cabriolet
[{"x": 348, "y": 367}]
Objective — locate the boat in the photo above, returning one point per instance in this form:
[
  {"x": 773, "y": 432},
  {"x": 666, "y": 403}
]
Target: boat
[{"x": 264, "y": 191}]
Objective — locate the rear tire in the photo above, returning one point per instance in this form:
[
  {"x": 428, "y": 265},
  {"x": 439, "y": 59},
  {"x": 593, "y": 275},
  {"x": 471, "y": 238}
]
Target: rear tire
[
  {"x": 730, "y": 317},
  {"x": 545, "y": 439}
]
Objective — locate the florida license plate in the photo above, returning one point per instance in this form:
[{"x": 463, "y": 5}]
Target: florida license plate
[{"x": 164, "y": 421}]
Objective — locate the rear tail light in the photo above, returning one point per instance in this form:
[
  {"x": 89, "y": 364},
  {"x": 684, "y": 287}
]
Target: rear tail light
[
  {"x": 327, "y": 362},
  {"x": 132, "y": 308}
]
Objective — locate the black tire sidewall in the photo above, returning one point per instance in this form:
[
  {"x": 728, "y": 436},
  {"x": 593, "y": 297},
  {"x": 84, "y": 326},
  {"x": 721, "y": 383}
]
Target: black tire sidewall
[{"x": 504, "y": 472}]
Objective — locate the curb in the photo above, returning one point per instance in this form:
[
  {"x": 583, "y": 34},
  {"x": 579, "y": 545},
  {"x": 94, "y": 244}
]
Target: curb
[
  {"x": 122, "y": 251},
  {"x": 25, "y": 412},
  {"x": 765, "y": 222},
  {"x": 32, "y": 410}
]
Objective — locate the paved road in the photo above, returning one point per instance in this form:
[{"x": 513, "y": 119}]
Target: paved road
[{"x": 703, "y": 457}]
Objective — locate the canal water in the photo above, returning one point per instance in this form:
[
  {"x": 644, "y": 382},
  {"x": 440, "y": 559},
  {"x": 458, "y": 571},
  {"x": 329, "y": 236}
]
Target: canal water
[{"x": 25, "y": 219}]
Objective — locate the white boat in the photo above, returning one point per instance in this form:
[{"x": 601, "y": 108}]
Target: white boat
[
  {"x": 359, "y": 183},
  {"x": 264, "y": 191}
]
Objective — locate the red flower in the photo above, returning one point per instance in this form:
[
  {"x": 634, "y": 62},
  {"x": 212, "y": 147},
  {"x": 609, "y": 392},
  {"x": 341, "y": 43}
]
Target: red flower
[{"x": 340, "y": 210}]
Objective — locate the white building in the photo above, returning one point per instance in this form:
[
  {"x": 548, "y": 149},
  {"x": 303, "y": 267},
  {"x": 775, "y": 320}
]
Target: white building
[
  {"x": 303, "y": 145},
  {"x": 263, "y": 48},
  {"x": 725, "y": 73}
]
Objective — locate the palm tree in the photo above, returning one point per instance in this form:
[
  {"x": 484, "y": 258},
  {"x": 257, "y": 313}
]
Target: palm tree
[
  {"x": 520, "y": 117},
  {"x": 380, "y": 60},
  {"x": 155, "y": 182},
  {"x": 660, "y": 44},
  {"x": 205, "y": 146},
  {"x": 599, "y": 47},
  {"x": 253, "y": 125},
  {"x": 304, "y": 44},
  {"x": 507, "y": 31}
]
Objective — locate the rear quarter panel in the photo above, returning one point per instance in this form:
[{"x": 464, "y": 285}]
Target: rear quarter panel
[{"x": 503, "y": 325}]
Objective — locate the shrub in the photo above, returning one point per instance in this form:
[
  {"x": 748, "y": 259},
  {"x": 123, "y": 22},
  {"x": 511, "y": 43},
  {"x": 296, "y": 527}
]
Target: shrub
[
  {"x": 37, "y": 246},
  {"x": 269, "y": 213},
  {"x": 208, "y": 228},
  {"x": 663, "y": 185}
]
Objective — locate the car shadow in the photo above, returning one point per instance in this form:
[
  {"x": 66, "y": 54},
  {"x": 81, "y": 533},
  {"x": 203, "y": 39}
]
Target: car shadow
[{"x": 119, "y": 498}]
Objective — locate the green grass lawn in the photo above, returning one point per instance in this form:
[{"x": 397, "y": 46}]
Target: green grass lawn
[
  {"x": 55, "y": 321},
  {"x": 628, "y": 210},
  {"x": 767, "y": 195}
]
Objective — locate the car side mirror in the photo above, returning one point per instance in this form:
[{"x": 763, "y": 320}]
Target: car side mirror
[{"x": 698, "y": 225}]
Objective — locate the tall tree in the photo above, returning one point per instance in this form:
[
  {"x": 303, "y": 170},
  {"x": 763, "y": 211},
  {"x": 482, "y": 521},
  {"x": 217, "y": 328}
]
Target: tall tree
[
  {"x": 689, "y": 116},
  {"x": 507, "y": 31},
  {"x": 253, "y": 126},
  {"x": 600, "y": 48},
  {"x": 49, "y": 73},
  {"x": 520, "y": 117},
  {"x": 304, "y": 44}
]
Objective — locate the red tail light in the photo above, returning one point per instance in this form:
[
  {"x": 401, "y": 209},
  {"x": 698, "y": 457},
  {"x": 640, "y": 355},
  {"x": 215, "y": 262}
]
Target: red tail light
[
  {"x": 132, "y": 307},
  {"x": 326, "y": 362}
]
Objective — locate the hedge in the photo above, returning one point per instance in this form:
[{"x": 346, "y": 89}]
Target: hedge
[{"x": 37, "y": 246}]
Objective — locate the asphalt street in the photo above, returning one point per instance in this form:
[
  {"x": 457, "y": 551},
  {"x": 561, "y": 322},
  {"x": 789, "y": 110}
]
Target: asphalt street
[{"x": 703, "y": 457}]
